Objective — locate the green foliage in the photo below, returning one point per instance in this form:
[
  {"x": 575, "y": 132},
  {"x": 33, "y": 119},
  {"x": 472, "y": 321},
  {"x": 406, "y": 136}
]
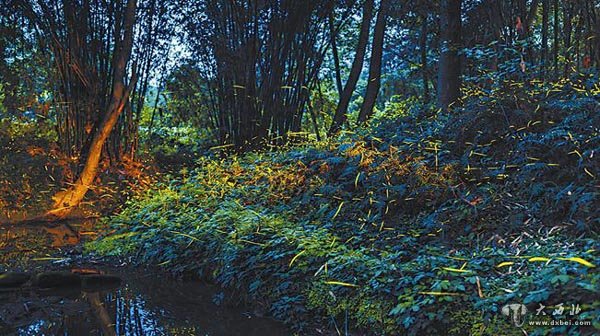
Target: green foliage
[
  {"x": 397, "y": 108},
  {"x": 114, "y": 245},
  {"x": 25, "y": 131},
  {"x": 188, "y": 99},
  {"x": 175, "y": 146},
  {"x": 395, "y": 230}
]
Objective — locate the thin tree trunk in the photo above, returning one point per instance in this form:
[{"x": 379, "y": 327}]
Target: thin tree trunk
[
  {"x": 577, "y": 41},
  {"x": 591, "y": 38},
  {"x": 340, "y": 113},
  {"x": 544, "y": 51},
  {"x": 531, "y": 15},
  {"x": 313, "y": 117},
  {"x": 449, "y": 64},
  {"x": 597, "y": 36},
  {"x": 567, "y": 29},
  {"x": 66, "y": 201},
  {"x": 423, "y": 44},
  {"x": 154, "y": 108},
  {"x": 336, "y": 58},
  {"x": 556, "y": 40},
  {"x": 375, "y": 66}
]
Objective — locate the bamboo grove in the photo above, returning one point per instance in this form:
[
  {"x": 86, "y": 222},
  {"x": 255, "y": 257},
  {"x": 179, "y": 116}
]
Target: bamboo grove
[
  {"x": 258, "y": 71},
  {"x": 81, "y": 37},
  {"x": 259, "y": 62}
]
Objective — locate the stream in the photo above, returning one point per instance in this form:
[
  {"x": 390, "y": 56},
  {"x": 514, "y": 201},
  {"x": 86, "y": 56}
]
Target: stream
[{"x": 145, "y": 303}]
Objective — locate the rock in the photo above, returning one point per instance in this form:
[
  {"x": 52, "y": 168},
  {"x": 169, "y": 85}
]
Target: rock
[
  {"x": 13, "y": 279},
  {"x": 100, "y": 282},
  {"x": 71, "y": 293},
  {"x": 57, "y": 279}
]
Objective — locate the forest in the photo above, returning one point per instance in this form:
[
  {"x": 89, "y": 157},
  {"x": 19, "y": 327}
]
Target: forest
[{"x": 299, "y": 167}]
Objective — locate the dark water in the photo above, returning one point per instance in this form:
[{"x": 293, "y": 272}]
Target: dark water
[{"x": 144, "y": 305}]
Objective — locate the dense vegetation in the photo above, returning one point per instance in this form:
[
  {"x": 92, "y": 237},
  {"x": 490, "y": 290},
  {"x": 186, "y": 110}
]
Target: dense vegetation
[
  {"x": 347, "y": 167},
  {"x": 393, "y": 230}
]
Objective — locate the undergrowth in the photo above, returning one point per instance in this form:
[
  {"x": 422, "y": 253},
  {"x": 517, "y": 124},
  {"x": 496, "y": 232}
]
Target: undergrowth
[
  {"x": 33, "y": 170},
  {"x": 425, "y": 225}
]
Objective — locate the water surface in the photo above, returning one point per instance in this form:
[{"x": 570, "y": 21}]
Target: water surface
[{"x": 147, "y": 304}]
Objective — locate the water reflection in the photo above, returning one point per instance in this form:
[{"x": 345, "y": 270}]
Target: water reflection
[
  {"x": 134, "y": 318},
  {"x": 144, "y": 305}
]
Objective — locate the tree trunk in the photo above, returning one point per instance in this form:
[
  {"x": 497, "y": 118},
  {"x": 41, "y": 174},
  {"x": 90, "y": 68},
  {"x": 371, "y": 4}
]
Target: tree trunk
[
  {"x": 340, "y": 113},
  {"x": 531, "y": 15},
  {"x": 567, "y": 30},
  {"x": 544, "y": 51},
  {"x": 556, "y": 40},
  {"x": 449, "y": 64},
  {"x": 423, "y": 43},
  {"x": 375, "y": 66},
  {"x": 336, "y": 57},
  {"x": 65, "y": 201},
  {"x": 597, "y": 37}
]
